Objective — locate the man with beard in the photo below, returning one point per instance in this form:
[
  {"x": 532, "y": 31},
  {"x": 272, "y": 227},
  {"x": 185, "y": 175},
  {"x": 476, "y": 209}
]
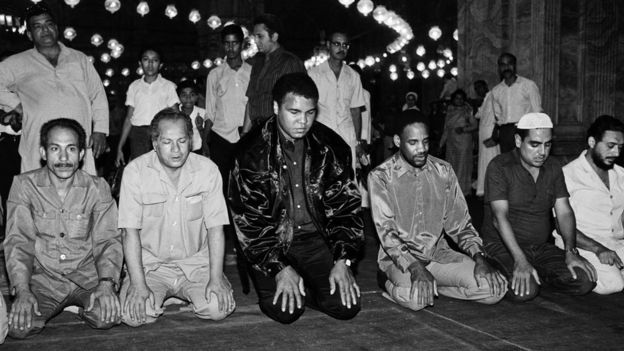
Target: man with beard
[
  {"x": 521, "y": 189},
  {"x": 596, "y": 186},
  {"x": 512, "y": 98},
  {"x": 415, "y": 201},
  {"x": 341, "y": 96},
  {"x": 62, "y": 244}
]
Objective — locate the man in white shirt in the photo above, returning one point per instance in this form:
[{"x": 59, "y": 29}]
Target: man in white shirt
[
  {"x": 340, "y": 93},
  {"x": 596, "y": 187},
  {"x": 512, "y": 98}
]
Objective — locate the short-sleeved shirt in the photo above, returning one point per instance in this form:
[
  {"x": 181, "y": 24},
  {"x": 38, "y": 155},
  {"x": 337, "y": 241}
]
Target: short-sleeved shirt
[
  {"x": 148, "y": 99},
  {"x": 173, "y": 221},
  {"x": 197, "y": 112},
  {"x": 530, "y": 202},
  {"x": 512, "y": 102}
]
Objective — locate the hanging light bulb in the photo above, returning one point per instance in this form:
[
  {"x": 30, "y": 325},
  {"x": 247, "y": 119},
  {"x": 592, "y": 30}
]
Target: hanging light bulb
[
  {"x": 377, "y": 59},
  {"x": 456, "y": 35},
  {"x": 106, "y": 82},
  {"x": 112, "y": 43},
  {"x": 143, "y": 8},
  {"x": 403, "y": 58},
  {"x": 454, "y": 71},
  {"x": 432, "y": 65},
  {"x": 410, "y": 74},
  {"x": 394, "y": 76},
  {"x": 214, "y": 22},
  {"x": 194, "y": 16},
  {"x": 207, "y": 63},
  {"x": 365, "y": 7},
  {"x": 218, "y": 61},
  {"x": 435, "y": 33},
  {"x": 109, "y": 72},
  {"x": 384, "y": 55},
  {"x": 346, "y": 3},
  {"x": 69, "y": 33},
  {"x": 369, "y": 60},
  {"x": 447, "y": 52},
  {"x": 96, "y": 40},
  {"x": 112, "y": 6},
  {"x": 420, "y": 50},
  {"x": 90, "y": 58},
  {"x": 35, "y": 1},
  {"x": 125, "y": 72},
  {"x": 392, "y": 68},
  {"x": 117, "y": 51},
  {"x": 380, "y": 13},
  {"x": 420, "y": 66},
  {"x": 441, "y": 63},
  {"x": 361, "y": 63},
  {"x": 139, "y": 71},
  {"x": 425, "y": 74},
  {"x": 72, "y": 3},
  {"x": 195, "y": 65},
  {"x": 105, "y": 57},
  {"x": 171, "y": 11},
  {"x": 440, "y": 73}
]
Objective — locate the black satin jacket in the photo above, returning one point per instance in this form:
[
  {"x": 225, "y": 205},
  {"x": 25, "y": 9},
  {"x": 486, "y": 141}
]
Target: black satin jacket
[{"x": 260, "y": 195}]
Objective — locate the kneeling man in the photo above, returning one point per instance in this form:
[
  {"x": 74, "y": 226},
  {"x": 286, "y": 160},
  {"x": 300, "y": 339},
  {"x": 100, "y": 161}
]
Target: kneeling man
[
  {"x": 296, "y": 209},
  {"x": 415, "y": 200},
  {"x": 62, "y": 245},
  {"x": 172, "y": 212},
  {"x": 596, "y": 186}
]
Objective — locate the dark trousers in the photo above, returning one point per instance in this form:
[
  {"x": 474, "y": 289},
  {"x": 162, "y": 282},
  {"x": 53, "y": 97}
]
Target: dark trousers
[
  {"x": 507, "y": 140},
  {"x": 222, "y": 153},
  {"x": 140, "y": 141},
  {"x": 11, "y": 162},
  {"x": 49, "y": 308},
  {"x": 311, "y": 258},
  {"x": 549, "y": 262}
]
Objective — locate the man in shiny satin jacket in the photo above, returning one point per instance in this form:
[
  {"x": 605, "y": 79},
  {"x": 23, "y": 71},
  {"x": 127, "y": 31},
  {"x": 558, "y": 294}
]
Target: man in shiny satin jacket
[{"x": 297, "y": 209}]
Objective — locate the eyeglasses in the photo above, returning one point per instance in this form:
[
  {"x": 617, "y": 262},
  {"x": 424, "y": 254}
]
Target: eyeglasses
[{"x": 338, "y": 44}]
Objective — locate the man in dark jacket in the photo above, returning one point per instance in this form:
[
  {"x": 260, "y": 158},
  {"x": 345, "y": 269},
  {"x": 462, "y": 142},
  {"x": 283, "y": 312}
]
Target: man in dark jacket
[{"x": 296, "y": 208}]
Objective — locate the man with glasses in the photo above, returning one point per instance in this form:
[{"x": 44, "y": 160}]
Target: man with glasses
[{"x": 340, "y": 93}]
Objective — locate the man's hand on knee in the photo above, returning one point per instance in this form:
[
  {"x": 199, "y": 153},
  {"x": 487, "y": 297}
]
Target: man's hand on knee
[
  {"x": 495, "y": 279},
  {"x": 342, "y": 276},
  {"x": 424, "y": 287},
  {"x": 137, "y": 296},
  {"x": 521, "y": 279},
  {"x": 104, "y": 294},
  {"x": 25, "y": 304},
  {"x": 290, "y": 286},
  {"x": 222, "y": 288},
  {"x": 573, "y": 259}
]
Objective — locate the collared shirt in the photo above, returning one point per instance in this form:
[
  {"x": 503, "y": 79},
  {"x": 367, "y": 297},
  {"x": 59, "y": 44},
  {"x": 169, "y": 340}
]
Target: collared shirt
[
  {"x": 512, "y": 102},
  {"x": 61, "y": 243},
  {"x": 598, "y": 209},
  {"x": 293, "y": 167},
  {"x": 72, "y": 89},
  {"x": 226, "y": 99},
  {"x": 197, "y": 111},
  {"x": 149, "y": 98},
  {"x": 265, "y": 71},
  {"x": 173, "y": 221},
  {"x": 530, "y": 202},
  {"x": 337, "y": 97},
  {"x": 412, "y": 209}
]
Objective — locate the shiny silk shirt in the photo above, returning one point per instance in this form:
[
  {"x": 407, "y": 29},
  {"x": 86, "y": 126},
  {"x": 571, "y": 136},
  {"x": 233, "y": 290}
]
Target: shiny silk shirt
[
  {"x": 226, "y": 99},
  {"x": 173, "y": 221},
  {"x": 61, "y": 244},
  {"x": 265, "y": 71},
  {"x": 72, "y": 89},
  {"x": 413, "y": 208}
]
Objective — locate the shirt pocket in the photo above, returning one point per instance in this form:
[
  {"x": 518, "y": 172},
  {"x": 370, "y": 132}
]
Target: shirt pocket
[
  {"x": 154, "y": 204},
  {"x": 78, "y": 225},
  {"x": 194, "y": 207},
  {"x": 45, "y": 222}
]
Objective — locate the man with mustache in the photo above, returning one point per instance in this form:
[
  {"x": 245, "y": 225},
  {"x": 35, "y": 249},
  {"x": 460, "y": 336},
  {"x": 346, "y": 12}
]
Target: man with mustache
[
  {"x": 416, "y": 202},
  {"x": 62, "y": 244},
  {"x": 340, "y": 93},
  {"x": 512, "y": 98},
  {"x": 522, "y": 187},
  {"x": 296, "y": 208},
  {"x": 596, "y": 186},
  {"x": 52, "y": 80}
]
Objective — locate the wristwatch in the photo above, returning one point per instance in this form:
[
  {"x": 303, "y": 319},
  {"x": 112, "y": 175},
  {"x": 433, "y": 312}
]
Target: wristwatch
[
  {"x": 573, "y": 250},
  {"x": 111, "y": 280}
]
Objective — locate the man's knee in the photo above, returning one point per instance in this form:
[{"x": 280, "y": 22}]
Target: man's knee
[
  {"x": 210, "y": 310},
  {"x": 401, "y": 296},
  {"x": 334, "y": 308},
  {"x": 582, "y": 284},
  {"x": 275, "y": 311},
  {"x": 522, "y": 296},
  {"x": 609, "y": 284},
  {"x": 35, "y": 328}
]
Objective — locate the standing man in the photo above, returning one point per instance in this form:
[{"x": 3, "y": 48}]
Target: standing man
[
  {"x": 521, "y": 189},
  {"x": 297, "y": 209},
  {"x": 512, "y": 98},
  {"x": 50, "y": 81},
  {"x": 340, "y": 93},
  {"x": 62, "y": 245},
  {"x": 271, "y": 62},
  {"x": 415, "y": 201},
  {"x": 172, "y": 213},
  {"x": 596, "y": 186}
]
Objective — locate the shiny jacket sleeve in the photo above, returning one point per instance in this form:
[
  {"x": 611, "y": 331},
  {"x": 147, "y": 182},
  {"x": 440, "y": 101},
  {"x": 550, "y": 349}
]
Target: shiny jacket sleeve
[
  {"x": 258, "y": 234},
  {"x": 106, "y": 238}
]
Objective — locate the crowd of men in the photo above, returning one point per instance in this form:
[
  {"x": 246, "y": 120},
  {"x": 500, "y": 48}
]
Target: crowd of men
[{"x": 284, "y": 145}]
